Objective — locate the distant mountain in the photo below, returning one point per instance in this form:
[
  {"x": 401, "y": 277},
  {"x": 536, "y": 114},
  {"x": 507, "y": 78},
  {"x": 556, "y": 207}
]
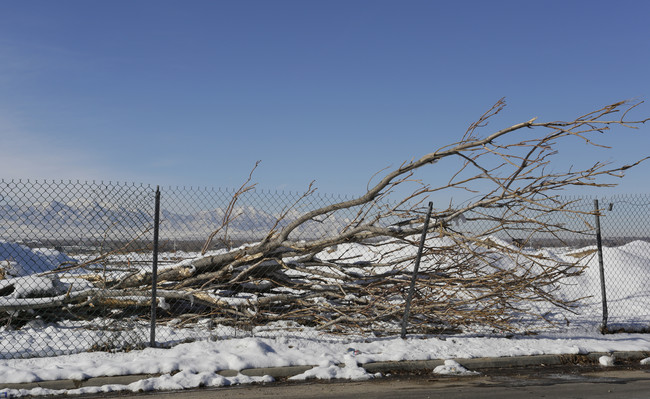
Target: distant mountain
[
  {"x": 94, "y": 221},
  {"x": 59, "y": 220}
]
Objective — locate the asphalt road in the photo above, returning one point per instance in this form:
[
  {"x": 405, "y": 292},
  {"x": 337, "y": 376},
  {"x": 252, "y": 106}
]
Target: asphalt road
[{"x": 554, "y": 383}]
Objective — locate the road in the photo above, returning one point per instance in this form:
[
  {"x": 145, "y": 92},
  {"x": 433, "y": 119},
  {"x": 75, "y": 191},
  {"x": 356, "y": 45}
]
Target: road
[{"x": 554, "y": 383}]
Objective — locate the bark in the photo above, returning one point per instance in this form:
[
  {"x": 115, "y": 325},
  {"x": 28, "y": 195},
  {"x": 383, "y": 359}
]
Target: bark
[{"x": 461, "y": 284}]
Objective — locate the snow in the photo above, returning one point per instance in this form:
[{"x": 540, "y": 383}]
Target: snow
[
  {"x": 606, "y": 361},
  {"x": 18, "y": 260},
  {"x": 180, "y": 380},
  {"x": 452, "y": 367},
  {"x": 198, "y": 363},
  {"x": 328, "y": 370}
]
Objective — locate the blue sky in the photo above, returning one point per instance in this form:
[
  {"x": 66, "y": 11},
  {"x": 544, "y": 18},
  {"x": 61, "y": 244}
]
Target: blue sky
[{"x": 192, "y": 93}]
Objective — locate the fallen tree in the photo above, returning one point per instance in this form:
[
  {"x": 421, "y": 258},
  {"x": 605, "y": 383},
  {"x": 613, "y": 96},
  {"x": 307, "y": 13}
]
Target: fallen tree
[{"x": 469, "y": 278}]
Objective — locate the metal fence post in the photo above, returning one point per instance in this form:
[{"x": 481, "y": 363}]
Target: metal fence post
[
  {"x": 599, "y": 243},
  {"x": 415, "y": 270},
  {"x": 154, "y": 271}
]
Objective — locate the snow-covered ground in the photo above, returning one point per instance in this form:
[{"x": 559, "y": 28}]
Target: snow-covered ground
[
  {"x": 183, "y": 365},
  {"x": 197, "y": 364}
]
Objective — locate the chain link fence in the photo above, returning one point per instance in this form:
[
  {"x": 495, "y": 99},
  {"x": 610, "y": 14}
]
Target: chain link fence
[
  {"x": 77, "y": 258},
  {"x": 56, "y": 241},
  {"x": 625, "y": 224}
]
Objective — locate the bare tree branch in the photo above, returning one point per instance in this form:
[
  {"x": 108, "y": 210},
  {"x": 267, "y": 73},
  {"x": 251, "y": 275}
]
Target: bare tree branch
[{"x": 469, "y": 276}]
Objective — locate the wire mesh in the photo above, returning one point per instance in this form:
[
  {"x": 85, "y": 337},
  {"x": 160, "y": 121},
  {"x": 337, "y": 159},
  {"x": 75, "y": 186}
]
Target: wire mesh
[
  {"x": 625, "y": 222},
  {"x": 245, "y": 308},
  {"x": 75, "y": 258},
  {"x": 61, "y": 245}
]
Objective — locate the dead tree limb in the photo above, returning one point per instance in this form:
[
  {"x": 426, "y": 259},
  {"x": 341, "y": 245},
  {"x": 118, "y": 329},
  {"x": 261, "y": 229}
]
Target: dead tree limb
[{"x": 469, "y": 277}]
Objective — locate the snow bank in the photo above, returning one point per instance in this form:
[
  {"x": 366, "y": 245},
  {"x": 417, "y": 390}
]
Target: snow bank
[
  {"x": 180, "y": 380},
  {"x": 197, "y": 364},
  {"x": 245, "y": 353},
  {"x": 18, "y": 260}
]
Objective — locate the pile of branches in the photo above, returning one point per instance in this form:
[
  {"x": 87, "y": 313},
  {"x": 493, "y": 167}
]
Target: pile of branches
[{"x": 467, "y": 279}]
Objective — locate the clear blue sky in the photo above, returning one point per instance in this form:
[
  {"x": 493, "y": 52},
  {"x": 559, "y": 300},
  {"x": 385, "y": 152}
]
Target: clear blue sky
[{"x": 194, "y": 92}]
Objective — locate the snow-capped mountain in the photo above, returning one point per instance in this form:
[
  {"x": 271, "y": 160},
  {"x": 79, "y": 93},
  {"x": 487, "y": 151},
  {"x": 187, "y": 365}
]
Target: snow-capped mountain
[{"x": 93, "y": 220}]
